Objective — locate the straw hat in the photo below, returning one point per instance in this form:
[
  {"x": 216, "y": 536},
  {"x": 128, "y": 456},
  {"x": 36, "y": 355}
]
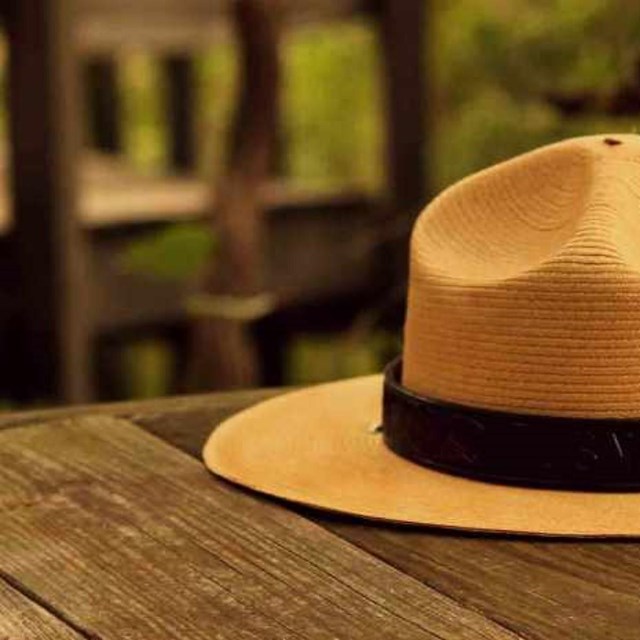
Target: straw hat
[{"x": 516, "y": 406}]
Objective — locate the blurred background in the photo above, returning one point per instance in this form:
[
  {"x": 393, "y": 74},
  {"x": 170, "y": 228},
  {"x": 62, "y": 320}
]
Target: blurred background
[{"x": 208, "y": 194}]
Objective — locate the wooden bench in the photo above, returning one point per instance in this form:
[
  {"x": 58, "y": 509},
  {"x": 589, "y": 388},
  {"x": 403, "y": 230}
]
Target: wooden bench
[{"x": 56, "y": 197}]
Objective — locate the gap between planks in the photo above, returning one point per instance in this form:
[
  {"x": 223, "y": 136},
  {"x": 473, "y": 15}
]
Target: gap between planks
[
  {"x": 198, "y": 544},
  {"x": 24, "y": 611},
  {"x": 543, "y": 590}
]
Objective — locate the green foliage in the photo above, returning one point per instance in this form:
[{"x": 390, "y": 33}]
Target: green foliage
[
  {"x": 145, "y": 136},
  {"x": 332, "y": 106},
  {"x": 330, "y": 101},
  {"x": 147, "y": 367},
  {"x": 314, "y": 359},
  {"x": 495, "y": 63},
  {"x": 177, "y": 252},
  {"x": 217, "y": 77}
]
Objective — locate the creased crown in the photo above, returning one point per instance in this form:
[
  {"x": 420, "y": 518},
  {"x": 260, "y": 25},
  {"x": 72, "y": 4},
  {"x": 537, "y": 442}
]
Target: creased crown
[{"x": 524, "y": 291}]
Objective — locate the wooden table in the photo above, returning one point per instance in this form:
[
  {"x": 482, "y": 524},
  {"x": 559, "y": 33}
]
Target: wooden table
[{"x": 110, "y": 527}]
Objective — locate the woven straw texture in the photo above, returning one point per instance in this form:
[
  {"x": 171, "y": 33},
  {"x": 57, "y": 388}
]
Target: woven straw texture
[
  {"x": 524, "y": 290},
  {"x": 524, "y": 296}
]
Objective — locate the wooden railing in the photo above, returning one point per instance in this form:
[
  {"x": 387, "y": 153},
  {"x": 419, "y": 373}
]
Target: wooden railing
[{"x": 69, "y": 216}]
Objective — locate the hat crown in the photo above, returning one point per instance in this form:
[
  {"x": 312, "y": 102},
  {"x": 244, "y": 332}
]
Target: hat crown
[{"x": 524, "y": 291}]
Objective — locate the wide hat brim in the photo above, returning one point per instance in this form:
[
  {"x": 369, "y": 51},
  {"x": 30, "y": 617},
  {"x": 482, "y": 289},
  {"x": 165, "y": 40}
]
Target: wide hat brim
[{"x": 322, "y": 447}]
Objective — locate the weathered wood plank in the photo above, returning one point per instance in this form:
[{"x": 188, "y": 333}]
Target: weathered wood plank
[
  {"x": 125, "y": 536},
  {"x": 541, "y": 589},
  {"x": 23, "y": 619},
  {"x": 591, "y": 586}
]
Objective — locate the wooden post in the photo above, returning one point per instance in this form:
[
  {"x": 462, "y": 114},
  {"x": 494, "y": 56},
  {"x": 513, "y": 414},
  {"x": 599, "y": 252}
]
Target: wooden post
[
  {"x": 403, "y": 43},
  {"x": 52, "y": 272},
  {"x": 224, "y": 354},
  {"x": 181, "y": 89},
  {"x": 103, "y": 104}
]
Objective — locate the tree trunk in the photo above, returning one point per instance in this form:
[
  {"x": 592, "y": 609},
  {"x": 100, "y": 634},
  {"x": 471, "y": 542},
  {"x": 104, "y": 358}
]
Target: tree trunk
[{"x": 223, "y": 354}]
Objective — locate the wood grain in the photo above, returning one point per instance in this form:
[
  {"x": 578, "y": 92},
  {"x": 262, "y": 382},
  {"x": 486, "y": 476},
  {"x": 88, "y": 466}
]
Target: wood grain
[
  {"x": 539, "y": 589},
  {"x": 23, "y": 619},
  {"x": 125, "y": 536}
]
